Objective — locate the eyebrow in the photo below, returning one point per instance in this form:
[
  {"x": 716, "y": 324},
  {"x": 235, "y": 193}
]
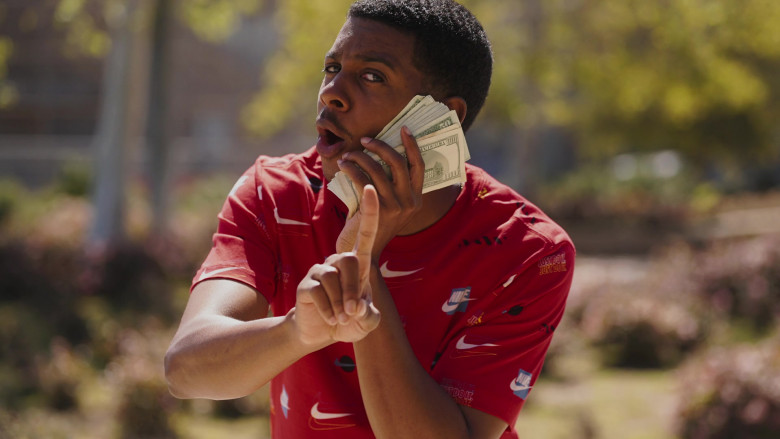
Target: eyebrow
[{"x": 376, "y": 57}]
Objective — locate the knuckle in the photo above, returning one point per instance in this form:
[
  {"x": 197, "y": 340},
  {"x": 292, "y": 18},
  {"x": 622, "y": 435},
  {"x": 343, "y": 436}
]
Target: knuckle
[{"x": 329, "y": 275}]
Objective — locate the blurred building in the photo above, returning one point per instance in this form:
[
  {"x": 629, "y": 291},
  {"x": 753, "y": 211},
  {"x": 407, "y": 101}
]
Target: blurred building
[{"x": 53, "y": 119}]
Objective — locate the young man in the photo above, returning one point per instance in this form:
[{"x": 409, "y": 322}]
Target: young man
[{"x": 425, "y": 315}]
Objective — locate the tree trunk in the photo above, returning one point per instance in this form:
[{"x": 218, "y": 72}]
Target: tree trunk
[
  {"x": 157, "y": 137},
  {"x": 110, "y": 141}
]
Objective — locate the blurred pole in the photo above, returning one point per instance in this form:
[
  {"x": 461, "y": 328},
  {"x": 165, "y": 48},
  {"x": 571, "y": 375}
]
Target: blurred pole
[
  {"x": 110, "y": 140},
  {"x": 531, "y": 132},
  {"x": 157, "y": 130}
]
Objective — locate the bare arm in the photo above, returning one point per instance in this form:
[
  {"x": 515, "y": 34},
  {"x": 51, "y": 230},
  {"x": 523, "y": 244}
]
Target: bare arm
[
  {"x": 400, "y": 398},
  {"x": 225, "y": 346}
]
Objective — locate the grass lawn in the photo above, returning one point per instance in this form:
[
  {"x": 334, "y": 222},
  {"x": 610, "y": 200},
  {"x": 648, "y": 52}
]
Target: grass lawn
[{"x": 608, "y": 404}]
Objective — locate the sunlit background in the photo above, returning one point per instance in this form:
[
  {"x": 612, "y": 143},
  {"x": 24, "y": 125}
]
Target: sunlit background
[{"x": 650, "y": 129}]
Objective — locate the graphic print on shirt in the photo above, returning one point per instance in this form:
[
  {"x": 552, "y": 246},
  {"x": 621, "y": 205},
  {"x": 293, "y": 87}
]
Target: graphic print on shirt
[
  {"x": 205, "y": 274},
  {"x": 461, "y": 392},
  {"x": 458, "y": 301},
  {"x": 238, "y": 184},
  {"x": 521, "y": 385},
  {"x": 513, "y": 311},
  {"x": 464, "y": 349},
  {"x": 475, "y": 319},
  {"x": 315, "y": 183},
  {"x": 286, "y": 221},
  {"x": 482, "y": 240},
  {"x": 553, "y": 264},
  {"x": 328, "y": 420},
  {"x": 388, "y": 273},
  {"x": 346, "y": 363},
  {"x": 506, "y": 284},
  {"x": 284, "y": 401}
]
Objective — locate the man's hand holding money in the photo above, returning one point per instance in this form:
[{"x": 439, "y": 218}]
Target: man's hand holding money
[
  {"x": 400, "y": 194},
  {"x": 439, "y": 140}
]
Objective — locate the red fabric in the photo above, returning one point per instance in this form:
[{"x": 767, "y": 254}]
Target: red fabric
[{"x": 480, "y": 292}]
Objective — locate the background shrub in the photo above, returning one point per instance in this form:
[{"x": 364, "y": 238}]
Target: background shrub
[
  {"x": 732, "y": 393},
  {"x": 638, "y": 330},
  {"x": 742, "y": 282}
]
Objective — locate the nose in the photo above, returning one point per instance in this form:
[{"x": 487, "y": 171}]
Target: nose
[{"x": 333, "y": 94}]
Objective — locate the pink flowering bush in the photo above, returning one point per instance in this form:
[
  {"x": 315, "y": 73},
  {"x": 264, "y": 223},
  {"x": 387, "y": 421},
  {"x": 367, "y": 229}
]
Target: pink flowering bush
[
  {"x": 741, "y": 281},
  {"x": 731, "y": 393}
]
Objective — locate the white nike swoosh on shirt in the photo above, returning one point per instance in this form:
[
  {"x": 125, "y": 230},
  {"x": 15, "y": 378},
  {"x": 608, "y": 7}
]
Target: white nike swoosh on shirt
[
  {"x": 386, "y": 272},
  {"x": 206, "y": 274},
  {"x": 517, "y": 387},
  {"x": 316, "y": 414},
  {"x": 280, "y": 220},
  {"x": 463, "y": 345},
  {"x": 449, "y": 307},
  {"x": 238, "y": 184}
]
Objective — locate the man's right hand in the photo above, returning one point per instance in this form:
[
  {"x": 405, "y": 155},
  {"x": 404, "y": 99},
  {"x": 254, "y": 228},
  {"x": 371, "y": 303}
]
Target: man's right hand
[{"x": 333, "y": 302}]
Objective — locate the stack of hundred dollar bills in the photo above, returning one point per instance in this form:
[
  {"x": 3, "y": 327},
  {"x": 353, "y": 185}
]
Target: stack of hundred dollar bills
[{"x": 439, "y": 137}]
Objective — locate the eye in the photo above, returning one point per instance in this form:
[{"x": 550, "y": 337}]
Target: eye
[
  {"x": 331, "y": 68},
  {"x": 373, "y": 77}
]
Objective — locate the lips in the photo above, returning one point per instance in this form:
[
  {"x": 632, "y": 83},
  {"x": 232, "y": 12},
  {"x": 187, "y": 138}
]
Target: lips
[{"x": 331, "y": 139}]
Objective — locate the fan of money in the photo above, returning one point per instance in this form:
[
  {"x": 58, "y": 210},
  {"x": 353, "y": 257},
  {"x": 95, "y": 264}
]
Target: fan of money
[{"x": 439, "y": 137}]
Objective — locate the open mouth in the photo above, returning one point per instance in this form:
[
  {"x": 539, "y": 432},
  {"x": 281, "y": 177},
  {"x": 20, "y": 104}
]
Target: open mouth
[
  {"x": 329, "y": 144},
  {"x": 330, "y": 138}
]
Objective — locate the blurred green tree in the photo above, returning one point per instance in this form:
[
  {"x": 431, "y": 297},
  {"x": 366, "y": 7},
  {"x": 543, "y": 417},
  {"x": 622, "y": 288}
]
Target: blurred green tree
[
  {"x": 697, "y": 76},
  {"x": 115, "y": 29}
]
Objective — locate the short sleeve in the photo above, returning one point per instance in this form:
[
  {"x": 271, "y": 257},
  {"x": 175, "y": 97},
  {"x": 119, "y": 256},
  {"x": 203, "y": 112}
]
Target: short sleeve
[
  {"x": 492, "y": 363},
  {"x": 243, "y": 249}
]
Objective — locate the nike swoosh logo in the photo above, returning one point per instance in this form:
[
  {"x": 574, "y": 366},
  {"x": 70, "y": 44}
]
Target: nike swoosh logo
[
  {"x": 386, "y": 272},
  {"x": 290, "y": 222},
  {"x": 317, "y": 414},
  {"x": 449, "y": 307},
  {"x": 238, "y": 184},
  {"x": 517, "y": 387},
  {"x": 206, "y": 274},
  {"x": 462, "y": 345}
]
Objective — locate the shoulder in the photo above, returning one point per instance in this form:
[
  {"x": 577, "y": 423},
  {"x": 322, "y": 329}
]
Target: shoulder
[
  {"x": 289, "y": 167},
  {"x": 513, "y": 215}
]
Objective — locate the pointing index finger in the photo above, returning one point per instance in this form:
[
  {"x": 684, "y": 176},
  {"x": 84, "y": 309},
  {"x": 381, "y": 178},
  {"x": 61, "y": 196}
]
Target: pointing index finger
[{"x": 369, "y": 224}]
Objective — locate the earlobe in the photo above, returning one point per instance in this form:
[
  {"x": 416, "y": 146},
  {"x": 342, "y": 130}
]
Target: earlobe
[{"x": 458, "y": 104}]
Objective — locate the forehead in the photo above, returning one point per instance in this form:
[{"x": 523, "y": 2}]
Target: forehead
[{"x": 360, "y": 37}]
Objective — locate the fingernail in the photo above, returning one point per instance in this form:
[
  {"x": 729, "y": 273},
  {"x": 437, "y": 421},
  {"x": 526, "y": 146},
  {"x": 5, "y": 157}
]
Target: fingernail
[
  {"x": 333, "y": 321},
  {"x": 406, "y": 130},
  {"x": 343, "y": 319},
  {"x": 350, "y": 307},
  {"x": 365, "y": 140}
]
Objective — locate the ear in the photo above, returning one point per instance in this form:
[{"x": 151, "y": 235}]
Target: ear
[{"x": 458, "y": 104}]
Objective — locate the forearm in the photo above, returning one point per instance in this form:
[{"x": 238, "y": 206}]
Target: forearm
[
  {"x": 400, "y": 398},
  {"x": 218, "y": 357}
]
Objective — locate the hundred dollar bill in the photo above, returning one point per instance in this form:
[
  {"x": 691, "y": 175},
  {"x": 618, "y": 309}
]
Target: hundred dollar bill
[
  {"x": 448, "y": 120},
  {"x": 415, "y": 102},
  {"x": 439, "y": 137}
]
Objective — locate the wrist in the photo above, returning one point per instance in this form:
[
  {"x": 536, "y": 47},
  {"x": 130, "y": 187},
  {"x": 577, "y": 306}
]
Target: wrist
[{"x": 305, "y": 341}]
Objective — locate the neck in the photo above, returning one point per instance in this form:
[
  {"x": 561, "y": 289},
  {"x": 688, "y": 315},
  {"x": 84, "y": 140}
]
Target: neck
[{"x": 435, "y": 205}]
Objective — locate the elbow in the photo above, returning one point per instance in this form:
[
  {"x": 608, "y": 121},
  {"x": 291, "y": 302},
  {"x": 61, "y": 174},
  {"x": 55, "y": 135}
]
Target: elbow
[{"x": 175, "y": 374}]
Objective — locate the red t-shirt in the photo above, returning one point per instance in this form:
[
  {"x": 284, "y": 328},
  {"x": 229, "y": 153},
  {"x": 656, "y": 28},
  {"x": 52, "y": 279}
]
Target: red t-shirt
[{"x": 480, "y": 292}]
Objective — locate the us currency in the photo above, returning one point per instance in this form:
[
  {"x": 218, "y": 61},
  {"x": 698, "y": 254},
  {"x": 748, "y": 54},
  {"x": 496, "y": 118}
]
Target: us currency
[{"x": 439, "y": 137}]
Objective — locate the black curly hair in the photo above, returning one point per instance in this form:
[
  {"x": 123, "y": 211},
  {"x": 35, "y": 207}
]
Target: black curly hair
[{"x": 451, "y": 48}]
